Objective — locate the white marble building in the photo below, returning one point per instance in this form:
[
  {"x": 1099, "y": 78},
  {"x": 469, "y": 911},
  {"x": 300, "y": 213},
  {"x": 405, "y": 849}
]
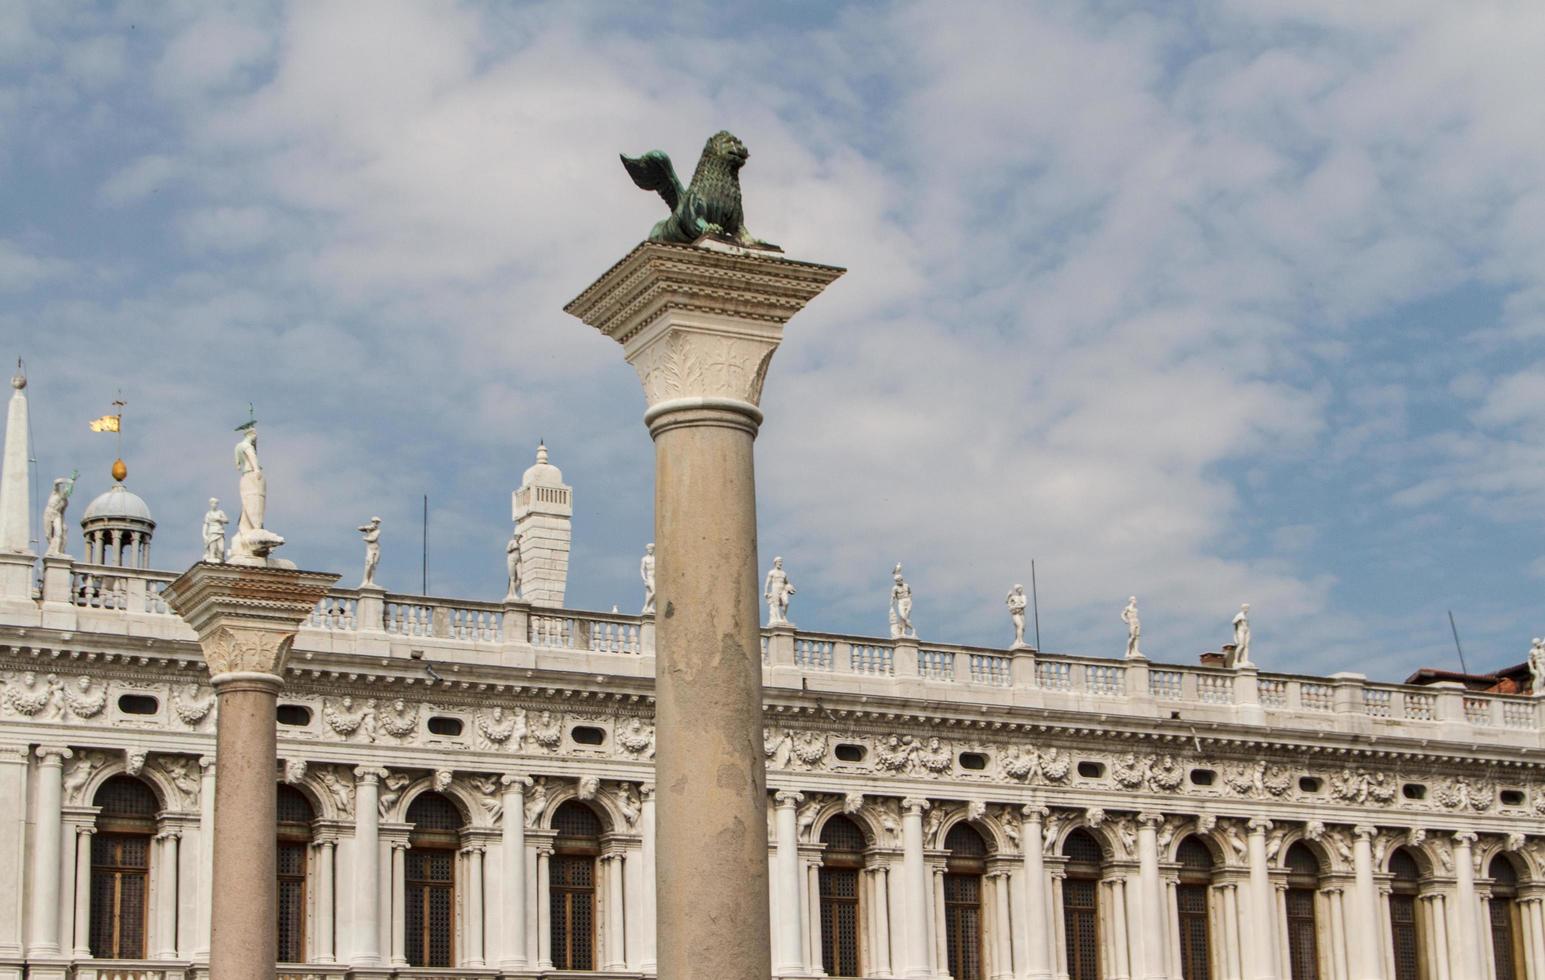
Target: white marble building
[{"x": 935, "y": 810}]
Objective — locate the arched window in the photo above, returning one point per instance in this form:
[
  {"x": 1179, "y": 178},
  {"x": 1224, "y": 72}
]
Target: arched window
[
  {"x": 1506, "y": 946},
  {"x": 1081, "y": 905},
  {"x": 1191, "y": 898},
  {"x": 1404, "y": 918},
  {"x": 295, "y": 816},
  {"x": 429, "y": 918},
  {"x": 841, "y": 863},
  {"x": 1303, "y": 884},
  {"x": 963, "y": 901},
  {"x": 120, "y": 868},
  {"x": 571, "y": 881}
]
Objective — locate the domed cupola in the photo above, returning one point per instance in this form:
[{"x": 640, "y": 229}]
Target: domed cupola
[
  {"x": 544, "y": 514},
  {"x": 117, "y": 527}
]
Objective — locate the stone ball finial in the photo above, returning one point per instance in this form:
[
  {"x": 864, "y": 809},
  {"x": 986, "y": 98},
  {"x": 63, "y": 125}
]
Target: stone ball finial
[
  {"x": 18, "y": 380},
  {"x": 120, "y": 470}
]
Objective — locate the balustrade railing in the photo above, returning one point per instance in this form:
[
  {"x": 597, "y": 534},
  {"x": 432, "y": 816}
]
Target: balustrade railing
[{"x": 138, "y": 592}]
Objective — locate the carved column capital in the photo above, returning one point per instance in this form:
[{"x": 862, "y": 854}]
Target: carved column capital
[
  {"x": 514, "y": 783},
  {"x": 915, "y": 805},
  {"x": 368, "y": 775},
  {"x": 646, "y": 792},
  {"x": 787, "y": 799},
  {"x": 246, "y": 617},
  {"x": 1365, "y": 831},
  {"x": 1259, "y": 825},
  {"x": 1465, "y": 838},
  {"x": 54, "y": 755},
  {"x": 700, "y": 323},
  {"x": 1034, "y": 813},
  {"x": 1150, "y": 819}
]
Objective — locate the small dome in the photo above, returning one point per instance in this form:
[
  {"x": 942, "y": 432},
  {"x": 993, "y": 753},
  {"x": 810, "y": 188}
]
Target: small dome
[
  {"x": 543, "y": 473},
  {"x": 117, "y": 504}
]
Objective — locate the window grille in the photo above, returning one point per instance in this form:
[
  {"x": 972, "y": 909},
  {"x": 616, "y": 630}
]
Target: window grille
[
  {"x": 1082, "y": 848},
  {"x": 1195, "y": 942},
  {"x": 571, "y": 882},
  {"x": 1080, "y": 916},
  {"x": 120, "y": 867},
  {"x": 429, "y": 920},
  {"x": 294, "y": 808},
  {"x": 1505, "y": 931},
  {"x": 964, "y": 842},
  {"x": 1405, "y": 929},
  {"x": 292, "y": 901},
  {"x": 576, "y": 820},
  {"x": 963, "y": 923},
  {"x": 1302, "y": 934},
  {"x": 432, "y": 812},
  {"x": 842, "y": 835},
  {"x": 120, "y": 880},
  {"x": 1194, "y": 856},
  {"x": 839, "y": 921},
  {"x": 1302, "y": 862}
]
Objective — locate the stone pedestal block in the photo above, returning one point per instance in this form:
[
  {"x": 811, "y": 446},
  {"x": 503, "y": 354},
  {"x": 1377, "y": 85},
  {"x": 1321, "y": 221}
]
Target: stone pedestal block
[
  {"x": 246, "y": 618},
  {"x": 700, "y": 324}
]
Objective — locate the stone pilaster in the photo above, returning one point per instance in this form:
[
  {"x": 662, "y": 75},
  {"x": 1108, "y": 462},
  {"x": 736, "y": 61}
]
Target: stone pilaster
[
  {"x": 246, "y": 618},
  {"x": 700, "y": 324}
]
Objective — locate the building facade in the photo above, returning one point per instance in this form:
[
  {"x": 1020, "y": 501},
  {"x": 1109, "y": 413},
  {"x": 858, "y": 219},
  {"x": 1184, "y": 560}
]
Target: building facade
[{"x": 465, "y": 790}]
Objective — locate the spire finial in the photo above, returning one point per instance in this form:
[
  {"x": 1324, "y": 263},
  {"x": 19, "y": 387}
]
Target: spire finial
[
  {"x": 19, "y": 379},
  {"x": 541, "y": 451}
]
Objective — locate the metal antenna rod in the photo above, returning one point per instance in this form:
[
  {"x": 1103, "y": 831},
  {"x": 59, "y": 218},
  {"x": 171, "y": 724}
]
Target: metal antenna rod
[
  {"x": 1456, "y": 642},
  {"x": 1035, "y": 600},
  {"x": 425, "y": 589}
]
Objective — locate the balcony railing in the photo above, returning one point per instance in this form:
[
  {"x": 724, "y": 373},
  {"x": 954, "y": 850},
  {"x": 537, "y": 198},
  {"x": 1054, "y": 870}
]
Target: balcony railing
[{"x": 107, "y": 599}]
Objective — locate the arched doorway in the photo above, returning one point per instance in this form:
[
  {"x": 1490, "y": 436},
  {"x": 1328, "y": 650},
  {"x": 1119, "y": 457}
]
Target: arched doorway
[
  {"x": 120, "y": 868},
  {"x": 1192, "y": 901},
  {"x": 430, "y": 912},
  {"x": 1404, "y": 915},
  {"x": 1506, "y": 934},
  {"x": 842, "y": 863},
  {"x": 571, "y": 881},
  {"x": 1303, "y": 886},
  {"x": 295, "y": 816}
]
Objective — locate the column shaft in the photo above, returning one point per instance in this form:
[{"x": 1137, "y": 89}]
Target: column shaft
[
  {"x": 367, "y": 867},
  {"x": 206, "y": 848},
  {"x": 646, "y": 826},
  {"x": 244, "y": 939},
  {"x": 615, "y": 922},
  {"x": 882, "y": 922},
  {"x": 915, "y": 892},
  {"x": 326, "y": 942},
  {"x": 166, "y": 899},
  {"x": 399, "y": 903},
  {"x": 83, "y": 838},
  {"x": 1003, "y": 959},
  {"x": 1263, "y": 923},
  {"x": 1041, "y": 945},
  {"x": 712, "y": 785},
  {"x": 1151, "y": 909},
  {"x": 789, "y": 946},
  {"x": 1369, "y": 946},
  {"x": 544, "y": 910},
  {"x": 46, "y": 856},
  {"x": 940, "y": 930},
  {"x": 513, "y": 846},
  {"x": 813, "y": 917},
  {"x": 1469, "y": 955},
  {"x": 475, "y": 956}
]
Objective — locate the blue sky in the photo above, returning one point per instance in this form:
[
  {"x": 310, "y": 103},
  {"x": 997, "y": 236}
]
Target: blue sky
[{"x": 1208, "y": 303}]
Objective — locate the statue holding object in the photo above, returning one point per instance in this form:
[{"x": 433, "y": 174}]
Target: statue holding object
[{"x": 54, "y": 529}]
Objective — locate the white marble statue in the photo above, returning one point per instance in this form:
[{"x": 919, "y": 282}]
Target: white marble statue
[
  {"x": 1017, "y": 601},
  {"x": 777, "y": 590},
  {"x": 1241, "y": 655},
  {"x": 512, "y": 564},
  {"x": 1537, "y": 667},
  {"x": 901, "y": 606},
  {"x": 214, "y": 531},
  {"x": 1134, "y": 629},
  {"x": 54, "y": 528},
  {"x": 371, "y": 532},
  {"x": 646, "y": 572},
  {"x": 252, "y": 542}
]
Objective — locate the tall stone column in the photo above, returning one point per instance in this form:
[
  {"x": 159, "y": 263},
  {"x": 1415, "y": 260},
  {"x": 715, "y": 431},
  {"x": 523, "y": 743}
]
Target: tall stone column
[
  {"x": 83, "y": 836},
  {"x": 1263, "y": 921},
  {"x": 513, "y": 846},
  {"x": 326, "y": 926},
  {"x": 1150, "y": 904},
  {"x": 399, "y": 902},
  {"x": 1041, "y": 946},
  {"x": 46, "y": 856},
  {"x": 646, "y": 824},
  {"x": 475, "y": 955},
  {"x": 1464, "y": 896},
  {"x": 544, "y": 907},
  {"x": 1368, "y": 946},
  {"x": 914, "y": 870},
  {"x": 367, "y": 866},
  {"x": 1003, "y": 956},
  {"x": 700, "y": 324},
  {"x": 790, "y": 949},
  {"x": 206, "y": 850},
  {"x": 245, "y": 618}
]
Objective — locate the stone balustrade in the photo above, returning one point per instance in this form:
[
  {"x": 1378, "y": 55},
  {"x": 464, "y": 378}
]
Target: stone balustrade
[{"x": 113, "y": 600}]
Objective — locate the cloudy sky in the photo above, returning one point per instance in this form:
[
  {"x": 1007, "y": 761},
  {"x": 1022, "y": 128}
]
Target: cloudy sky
[{"x": 1209, "y": 303}]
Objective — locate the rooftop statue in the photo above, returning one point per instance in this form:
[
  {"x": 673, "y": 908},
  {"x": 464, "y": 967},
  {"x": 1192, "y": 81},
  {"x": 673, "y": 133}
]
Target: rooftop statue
[
  {"x": 710, "y": 205},
  {"x": 53, "y": 513},
  {"x": 253, "y": 541},
  {"x": 371, "y": 530},
  {"x": 214, "y": 531}
]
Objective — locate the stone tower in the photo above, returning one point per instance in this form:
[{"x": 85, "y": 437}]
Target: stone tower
[
  {"x": 544, "y": 515},
  {"x": 16, "y": 556}
]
